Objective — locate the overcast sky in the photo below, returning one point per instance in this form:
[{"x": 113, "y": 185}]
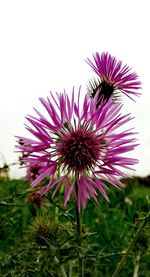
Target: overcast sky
[{"x": 43, "y": 47}]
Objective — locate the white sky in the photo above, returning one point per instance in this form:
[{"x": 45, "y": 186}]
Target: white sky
[{"x": 43, "y": 46}]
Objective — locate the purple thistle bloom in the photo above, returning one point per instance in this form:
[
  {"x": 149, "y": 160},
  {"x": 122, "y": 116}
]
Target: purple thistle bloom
[
  {"x": 114, "y": 77},
  {"x": 33, "y": 171},
  {"x": 82, "y": 142}
]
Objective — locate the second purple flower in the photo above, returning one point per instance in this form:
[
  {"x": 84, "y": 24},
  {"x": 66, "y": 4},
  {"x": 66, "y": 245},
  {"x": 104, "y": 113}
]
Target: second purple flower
[{"x": 114, "y": 77}]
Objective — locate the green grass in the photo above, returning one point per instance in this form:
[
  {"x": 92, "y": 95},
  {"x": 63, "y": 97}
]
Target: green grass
[{"x": 30, "y": 237}]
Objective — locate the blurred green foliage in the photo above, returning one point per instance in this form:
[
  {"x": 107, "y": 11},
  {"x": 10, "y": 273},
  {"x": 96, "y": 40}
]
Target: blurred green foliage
[{"x": 33, "y": 232}]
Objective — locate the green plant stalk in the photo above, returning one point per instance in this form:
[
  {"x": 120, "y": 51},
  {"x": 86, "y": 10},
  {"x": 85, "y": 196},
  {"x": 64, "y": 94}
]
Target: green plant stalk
[
  {"x": 123, "y": 260},
  {"x": 56, "y": 212},
  {"x": 63, "y": 273},
  {"x": 137, "y": 265},
  {"x": 79, "y": 235},
  {"x": 70, "y": 268}
]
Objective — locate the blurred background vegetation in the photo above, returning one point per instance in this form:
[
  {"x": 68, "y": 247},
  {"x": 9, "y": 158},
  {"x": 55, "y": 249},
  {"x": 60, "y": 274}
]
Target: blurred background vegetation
[{"x": 37, "y": 235}]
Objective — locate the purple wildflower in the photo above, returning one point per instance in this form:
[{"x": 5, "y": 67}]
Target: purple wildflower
[
  {"x": 82, "y": 142},
  {"x": 33, "y": 171},
  {"x": 114, "y": 77}
]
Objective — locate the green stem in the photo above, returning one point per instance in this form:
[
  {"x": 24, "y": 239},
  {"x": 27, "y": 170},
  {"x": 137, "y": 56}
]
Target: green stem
[
  {"x": 121, "y": 263},
  {"x": 79, "y": 235},
  {"x": 70, "y": 268},
  {"x": 56, "y": 211},
  {"x": 137, "y": 265},
  {"x": 62, "y": 271}
]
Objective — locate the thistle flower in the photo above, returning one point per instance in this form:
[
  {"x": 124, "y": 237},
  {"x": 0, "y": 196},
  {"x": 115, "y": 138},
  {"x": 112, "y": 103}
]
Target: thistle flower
[
  {"x": 113, "y": 77},
  {"x": 82, "y": 142},
  {"x": 33, "y": 171},
  {"x": 47, "y": 231}
]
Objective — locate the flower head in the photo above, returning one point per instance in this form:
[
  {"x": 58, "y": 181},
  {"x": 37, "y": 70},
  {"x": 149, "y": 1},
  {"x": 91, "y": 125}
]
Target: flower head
[
  {"x": 33, "y": 171},
  {"x": 85, "y": 145},
  {"x": 114, "y": 77}
]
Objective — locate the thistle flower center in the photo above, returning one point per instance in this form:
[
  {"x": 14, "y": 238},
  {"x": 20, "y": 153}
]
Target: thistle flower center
[
  {"x": 104, "y": 89},
  {"x": 79, "y": 150}
]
